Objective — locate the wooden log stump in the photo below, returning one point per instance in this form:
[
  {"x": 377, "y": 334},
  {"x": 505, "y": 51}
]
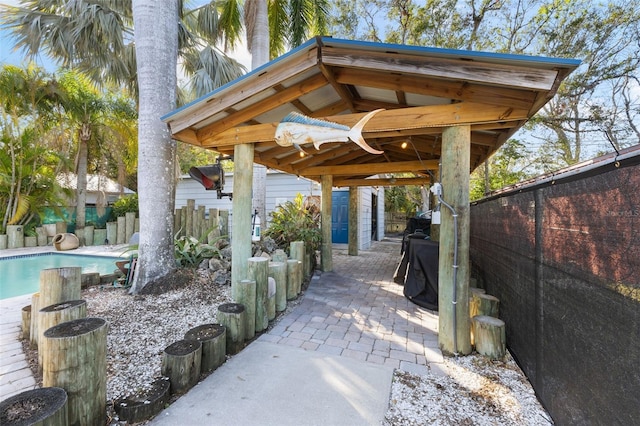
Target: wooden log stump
[
  {"x": 56, "y": 285},
  {"x": 476, "y": 290},
  {"x": 15, "y": 235},
  {"x": 259, "y": 271},
  {"x": 41, "y": 235},
  {"x": 271, "y": 298},
  {"x": 58, "y": 313},
  {"x": 130, "y": 225},
  {"x": 279, "y": 256},
  {"x": 297, "y": 250},
  {"x": 26, "y": 323},
  {"x": 60, "y": 285},
  {"x": 75, "y": 359},
  {"x": 40, "y": 407},
  {"x": 292, "y": 279},
  {"x": 33, "y": 327},
  {"x": 181, "y": 363},
  {"x": 214, "y": 345},
  {"x": 490, "y": 337},
  {"x": 99, "y": 236},
  {"x": 121, "y": 230},
  {"x": 144, "y": 404},
  {"x": 232, "y": 316},
  {"x": 89, "y": 233},
  {"x": 112, "y": 232},
  {"x": 246, "y": 295},
  {"x": 483, "y": 304},
  {"x": 278, "y": 270}
]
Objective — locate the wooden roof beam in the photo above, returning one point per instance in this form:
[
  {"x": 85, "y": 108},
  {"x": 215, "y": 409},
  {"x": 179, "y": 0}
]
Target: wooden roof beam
[
  {"x": 371, "y": 169},
  {"x": 382, "y": 181},
  {"x": 389, "y": 123},
  {"x": 339, "y": 88},
  {"x": 284, "y": 96},
  {"x": 461, "y": 91}
]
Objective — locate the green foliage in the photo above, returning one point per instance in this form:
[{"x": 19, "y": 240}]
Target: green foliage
[
  {"x": 507, "y": 166},
  {"x": 123, "y": 205},
  {"x": 189, "y": 251},
  {"x": 296, "y": 221},
  {"x": 405, "y": 199}
]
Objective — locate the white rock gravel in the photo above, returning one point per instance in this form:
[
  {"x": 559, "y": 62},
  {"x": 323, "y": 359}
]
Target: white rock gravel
[{"x": 474, "y": 390}]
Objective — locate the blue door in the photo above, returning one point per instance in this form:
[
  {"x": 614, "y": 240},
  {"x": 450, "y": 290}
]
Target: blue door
[{"x": 340, "y": 217}]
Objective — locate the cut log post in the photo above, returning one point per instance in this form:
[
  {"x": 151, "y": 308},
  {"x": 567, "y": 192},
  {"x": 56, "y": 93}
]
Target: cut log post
[
  {"x": 483, "y": 304},
  {"x": 61, "y": 228},
  {"x": 224, "y": 222},
  {"x": 33, "y": 326},
  {"x": 181, "y": 363},
  {"x": 99, "y": 236},
  {"x": 112, "y": 232},
  {"x": 15, "y": 235},
  {"x": 278, "y": 270},
  {"x": 41, "y": 233},
  {"x": 271, "y": 298},
  {"x": 26, "y": 323},
  {"x": 297, "y": 250},
  {"x": 60, "y": 285},
  {"x": 476, "y": 290},
  {"x": 3, "y": 241},
  {"x": 145, "y": 404},
  {"x": 292, "y": 279},
  {"x": 130, "y": 225},
  {"x": 58, "y": 313},
  {"x": 259, "y": 271},
  {"x": 121, "y": 236},
  {"x": 89, "y": 233},
  {"x": 75, "y": 359},
  {"x": 490, "y": 337},
  {"x": 307, "y": 266},
  {"x": 246, "y": 295},
  {"x": 31, "y": 241},
  {"x": 214, "y": 345},
  {"x": 279, "y": 256},
  {"x": 42, "y": 407},
  {"x": 232, "y": 316}
]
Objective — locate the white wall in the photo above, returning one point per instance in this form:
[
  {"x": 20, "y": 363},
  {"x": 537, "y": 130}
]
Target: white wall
[
  {"x": 281, "y": 187},
  {"x": 380, "y": 232},
  {"x": 364, "y": 221}
]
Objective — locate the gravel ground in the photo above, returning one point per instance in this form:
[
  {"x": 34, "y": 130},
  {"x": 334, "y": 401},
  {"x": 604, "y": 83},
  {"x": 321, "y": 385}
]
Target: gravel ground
[{"x": 475, "y": 390}]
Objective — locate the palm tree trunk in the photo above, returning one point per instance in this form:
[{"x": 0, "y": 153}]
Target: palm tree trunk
[
  {"x": 259, "y": 57},
  {"x": 156, "y": 39},
  {"x": 81, "y": 176}
]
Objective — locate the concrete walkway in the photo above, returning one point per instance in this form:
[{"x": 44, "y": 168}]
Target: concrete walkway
[{"x": 328, "y": 362}]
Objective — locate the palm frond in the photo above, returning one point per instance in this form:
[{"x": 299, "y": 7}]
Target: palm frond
[
  {"x": 278, "y": 27},
  {"x": 22, "y": 206}
]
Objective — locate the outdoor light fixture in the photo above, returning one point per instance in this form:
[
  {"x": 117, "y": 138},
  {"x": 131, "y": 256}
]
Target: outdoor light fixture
[{"x": 211, "y": 177}]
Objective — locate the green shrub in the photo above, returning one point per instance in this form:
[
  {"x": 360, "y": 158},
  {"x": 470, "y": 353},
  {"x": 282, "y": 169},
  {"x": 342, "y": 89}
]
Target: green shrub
[
  {"x": 189, "y": 251},
  {"x": 296, "y": 221},
  {"x": 124, "y": 205}
]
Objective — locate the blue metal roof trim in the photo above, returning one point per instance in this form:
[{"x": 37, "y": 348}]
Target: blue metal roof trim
[
  {"x": 239, "y": 79},
  {"x": 400, "y": 48}
]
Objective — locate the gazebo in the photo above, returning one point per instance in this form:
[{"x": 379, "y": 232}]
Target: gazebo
[{"x": 444, "y": 112}]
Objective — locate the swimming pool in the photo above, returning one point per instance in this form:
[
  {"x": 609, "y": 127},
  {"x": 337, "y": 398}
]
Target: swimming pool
[{"x": 20, "y": 275}]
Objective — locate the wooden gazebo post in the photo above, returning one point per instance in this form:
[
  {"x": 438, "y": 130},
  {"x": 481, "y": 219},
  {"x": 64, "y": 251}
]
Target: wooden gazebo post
[
  {"x": 241, "y": 226},
  {"x": 325, "y": 251},
  {"x": 456, "y": 150}
]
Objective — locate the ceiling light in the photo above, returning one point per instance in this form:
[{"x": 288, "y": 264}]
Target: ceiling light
[{"x": 404, "y": 145}]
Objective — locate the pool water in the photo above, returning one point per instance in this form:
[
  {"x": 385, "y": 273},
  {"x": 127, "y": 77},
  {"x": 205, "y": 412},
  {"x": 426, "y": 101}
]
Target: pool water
[{"x": 20, "y": 275}]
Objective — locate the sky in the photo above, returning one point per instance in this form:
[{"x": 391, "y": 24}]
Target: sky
[{"x": 9, "y": 55}]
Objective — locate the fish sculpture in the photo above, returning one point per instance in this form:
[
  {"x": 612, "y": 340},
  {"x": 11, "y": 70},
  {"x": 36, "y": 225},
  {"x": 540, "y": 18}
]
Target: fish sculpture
[{"x": 296, "y": 129}]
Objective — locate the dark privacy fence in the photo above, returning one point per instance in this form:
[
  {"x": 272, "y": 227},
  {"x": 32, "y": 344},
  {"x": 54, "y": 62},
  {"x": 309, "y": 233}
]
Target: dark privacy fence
[{"x": 563, "y": 257}]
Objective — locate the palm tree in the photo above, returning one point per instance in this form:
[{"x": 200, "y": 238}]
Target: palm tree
[
  {"x": 156, "y": 40},
  {"x": 272, "y": 27},
  {"x": 93, "y": 120},
  {"x": 28, "y": 161},
  {"x": 97, "y": 38}
]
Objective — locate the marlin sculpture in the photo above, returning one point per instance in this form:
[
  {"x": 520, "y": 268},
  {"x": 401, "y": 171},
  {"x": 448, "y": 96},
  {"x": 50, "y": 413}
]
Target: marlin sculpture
[{"x": 296, "y": 129}]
